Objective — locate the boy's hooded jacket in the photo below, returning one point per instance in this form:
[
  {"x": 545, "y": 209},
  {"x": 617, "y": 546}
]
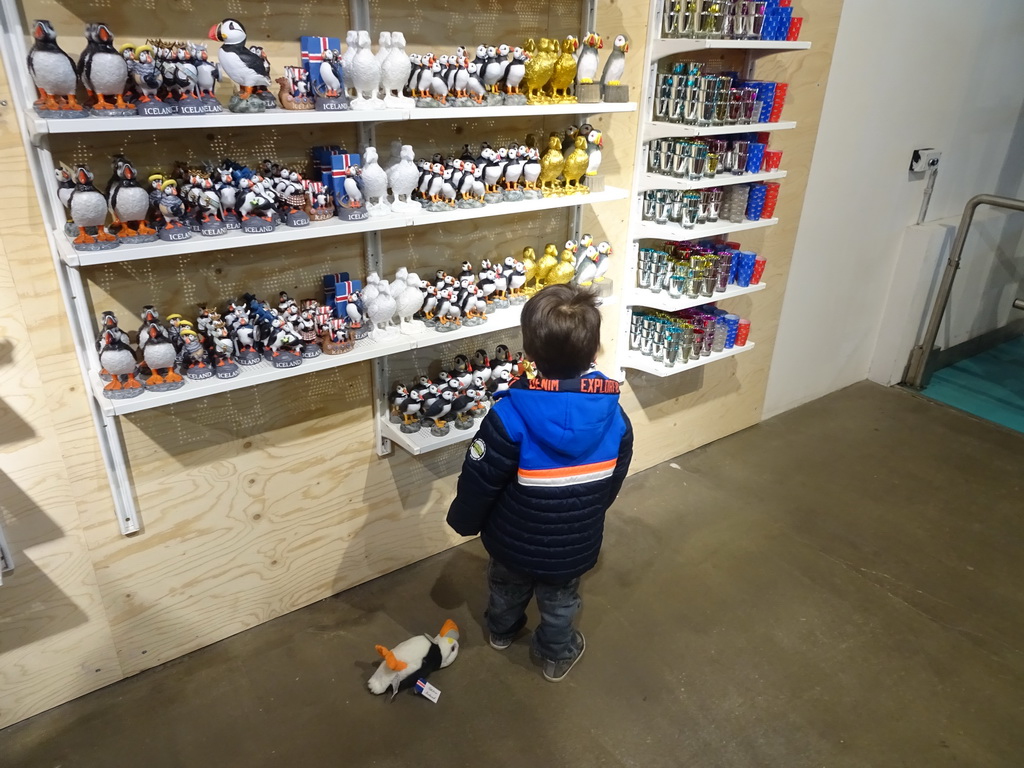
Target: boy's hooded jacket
[{"x": 548, "y": 461}]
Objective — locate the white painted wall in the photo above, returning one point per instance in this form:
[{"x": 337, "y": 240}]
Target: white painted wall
[{"x": 917, "y": 73}]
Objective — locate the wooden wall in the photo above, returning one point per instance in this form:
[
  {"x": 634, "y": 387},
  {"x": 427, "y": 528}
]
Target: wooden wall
[{"x": 261, "y": 501}]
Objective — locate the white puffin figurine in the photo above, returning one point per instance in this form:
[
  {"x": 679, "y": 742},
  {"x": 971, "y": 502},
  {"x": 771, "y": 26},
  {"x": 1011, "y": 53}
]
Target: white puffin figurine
[
  {"x": 402, "y": 178},
  {"x": 375, "y": 184},
  {"x": 516, "y": 71},
  {"x": 249, "y": 70},
  {"x": 383, "y": 47},
  {"x": 382, "y": 308},
  {"x": 328, "y": 74},
  {"x": 615, "y": 64},
  {"x": 395, "y": 72},
  {"x": 604, "y": 262},
  {"x": 365, "y": 75},
  {"x": 589, "y": 58},
  {"x": 351, "y": 48},
  {"x": 586, "y": 270},
  {"x": 352, "y": 188},
  {"x": 410, "y": 301}
]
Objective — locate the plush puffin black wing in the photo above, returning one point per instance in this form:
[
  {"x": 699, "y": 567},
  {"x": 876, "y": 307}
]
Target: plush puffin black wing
[{"x": 431, "y": 663}]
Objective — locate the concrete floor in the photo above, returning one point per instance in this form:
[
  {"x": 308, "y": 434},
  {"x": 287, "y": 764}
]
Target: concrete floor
[{"x": 840, "y": 586}]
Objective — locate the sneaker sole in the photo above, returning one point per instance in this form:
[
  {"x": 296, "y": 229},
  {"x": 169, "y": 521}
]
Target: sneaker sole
[
  {"x": 574, "y": 662},
  {"x": 499, "y": 647}
]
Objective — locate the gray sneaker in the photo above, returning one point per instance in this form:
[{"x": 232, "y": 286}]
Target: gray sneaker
[
  {"x": 501, "y": 642},
  {"x": 555, "y": 671}
]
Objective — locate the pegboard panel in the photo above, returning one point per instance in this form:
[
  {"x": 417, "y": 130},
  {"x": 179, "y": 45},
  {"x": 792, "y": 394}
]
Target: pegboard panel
[
  {"x": 443, "y": 26},
  {"x": 179, "y": 285}
]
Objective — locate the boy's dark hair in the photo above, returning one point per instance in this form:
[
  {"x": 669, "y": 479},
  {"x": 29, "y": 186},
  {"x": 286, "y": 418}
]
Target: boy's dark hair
[{"x": 562, "y": 331}]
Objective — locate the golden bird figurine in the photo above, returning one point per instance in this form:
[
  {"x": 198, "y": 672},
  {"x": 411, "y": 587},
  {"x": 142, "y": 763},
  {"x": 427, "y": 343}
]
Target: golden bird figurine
[
  {"x": 576, "y": 163},
  {"x": 565, "y": 72},
  {"x": 564, "y": 271},
  {"x": 529, "y": 267},
  {"x": 539, "y": 69},
  {"x": 551, "y": 165},
  {"x": 545, "y": 264}
]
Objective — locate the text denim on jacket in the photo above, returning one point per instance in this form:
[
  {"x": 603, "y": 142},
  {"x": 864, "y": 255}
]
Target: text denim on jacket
[{"x": 548, "y": 461}]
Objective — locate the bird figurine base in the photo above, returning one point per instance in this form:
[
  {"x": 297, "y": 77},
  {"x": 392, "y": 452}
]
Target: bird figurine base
[
  {"x": 249, "y": 106},
  {"x": 199, "y": 372},
  {"x": 472, "y": 322},
  {"x": 448, "y": 327},
  {"x": 128, "y": 111},
  {"x": 406, "y": 206},
  {"x": 268, "y": 99},
  {"x": 338, "y": 347},
  {"x": 500, "y": 303},
  {"x": 594, "y": 183},
  {"x": 213, "y": 228},
  {"x": 399, "y": 102},
  {"x": 493, "y": 198},
  {"x": 211, "y": 105},
  {"x": 283, "y": 358},
  {"x": 465, "y": 103},
  {"x": 331, "y": 104},
  {"x": 616, "y": 94},
  {"x": 345, "y": 213},
  {"x": 93, "y": 243},
  {"x": 166, "y": 383},
  {"x": 588, "y": 93},
  {"x": 494, "y": 100},
  {"x": 437, "y": 431},
  {"x": 464, "y": 421},
  {"x": 227, "y": 370},
  {"x": 428, "y": 103},
  {"x": 412, "y": 327},
  {"x": 311, "y": 350},
  {"x": 468, "y": 203},
  {"x": 436, "y": 207},
  {"x": 379, "y": 208},
  {"x": 602, "y": 287},
  {"x": 515, "y": 100},
  {"x": 296, "y": 218},
  {"x": 254, "y": 225},
  {"x": 409, "y": 427},
  {"x": 360, "y": 104},
  {"x": 118, "y": 390},
  {"x": 513, "y": 196},
  {"x": 231, "y": 221},
  {"x": 61, "y": 114},
  {"x": 154, "y": 109},
  {"x": 192, "y": 107},
  {"x": 532, "y": 194},
  {"x": 248, "y": 357},
  {"x": 518, "y": 299},
  {"x": 139, "y": 238}
]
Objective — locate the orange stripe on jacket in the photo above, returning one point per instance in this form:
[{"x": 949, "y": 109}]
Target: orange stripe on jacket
[{"x": 581, "y": 469}]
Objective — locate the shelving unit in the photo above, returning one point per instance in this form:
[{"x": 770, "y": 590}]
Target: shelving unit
[
  {"x": 659, "y": 48},
  {"x": 39, "y": 126},
  {"x": 644, "y": 298},
  {"x": 638, "y": 362},
  {"x": 658, "y": 181},
  {"x": 330, "y": 228},
  {"x": 80, "y": 135}
]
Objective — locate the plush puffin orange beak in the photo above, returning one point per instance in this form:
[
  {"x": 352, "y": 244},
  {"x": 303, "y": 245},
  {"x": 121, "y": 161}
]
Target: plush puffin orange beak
[
  {"x": 38, "y": 32},
  {"x": 129, "y": 173},
  {"x": 104, "y": 33},
  {"x": 449, "y": 627},
  {"x": 83, "y": 178},
  {"x": 215, "y": 32}
]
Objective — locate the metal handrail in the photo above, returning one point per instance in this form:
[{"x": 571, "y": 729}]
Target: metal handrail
[{"x": 919, "y": 356}]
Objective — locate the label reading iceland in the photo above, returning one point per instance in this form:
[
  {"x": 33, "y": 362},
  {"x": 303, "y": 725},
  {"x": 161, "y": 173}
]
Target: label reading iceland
[{"x": 477, "y": 449}]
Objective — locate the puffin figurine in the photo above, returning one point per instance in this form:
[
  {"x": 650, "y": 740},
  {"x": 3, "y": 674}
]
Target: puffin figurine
[
  {"x": 104, "y": 72},
  {"x": 148, "y": 80},
  {"x": 586, "y": 270},
  {"x": 247, "y": 69},
  {"x": 531, "y": 172},
  {"x": 353, "y": 190},
  {"x": 551, "y": 164},
  {"x": 351, "y": 48},
  {"x": 589, "y": 59},
  {"x": 565, "y": 72},
  {"x": 529, "y": 263},
  {"x": 375, "y": 184},
  {"x": 53, "y": 73},
  {"x": 565, "y": 270},
  {"x": 207, "y": 74},
  {"x": 118, "y": 359},
  {"x": 129, "y": 204},
  {"x": 395, "y": 71},
  {"x": 160, "y": 356},
  {"x": 576, "y": 163},
  {"x": 604, "y": 252},
  {"x": 545, "y": 264},
  {"x": 615, "y": 65},
  {"x": 88, "y": 210},
  {"x": 414, "y": 659},
  {"x": 65, "y": 186},
  {"x": 595, "y": 142},
  {"x": 515, "y": 72},
  {"x": 437, "y": 411},
  {"x": 364, "y": 74},
  {"x": 402, "y": 178}
]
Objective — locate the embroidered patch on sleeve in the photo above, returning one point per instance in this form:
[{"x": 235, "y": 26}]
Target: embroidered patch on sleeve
[{"x": 477, "y": 449}]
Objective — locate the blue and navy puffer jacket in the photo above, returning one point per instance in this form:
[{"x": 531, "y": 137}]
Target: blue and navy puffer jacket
[{"x": 548, "y": 461}]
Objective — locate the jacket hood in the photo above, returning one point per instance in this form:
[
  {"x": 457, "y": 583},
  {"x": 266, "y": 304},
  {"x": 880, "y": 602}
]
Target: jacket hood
[{"x": 567, "y": 417}]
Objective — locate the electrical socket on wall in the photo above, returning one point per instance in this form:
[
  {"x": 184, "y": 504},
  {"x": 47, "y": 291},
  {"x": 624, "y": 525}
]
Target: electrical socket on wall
[{"x": 924, "y": 160}]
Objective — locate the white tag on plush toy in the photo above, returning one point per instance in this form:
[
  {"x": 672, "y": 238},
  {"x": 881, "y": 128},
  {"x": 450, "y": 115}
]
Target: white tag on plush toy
[{"x": 427, "y": 690}]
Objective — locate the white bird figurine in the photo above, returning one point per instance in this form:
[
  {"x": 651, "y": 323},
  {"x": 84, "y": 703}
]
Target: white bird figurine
[
  {"x": 351, "y": 48},
  {"x": 410, "y": 301},
  {"x": 372, "y": 287},
  {"x": 381, "y": 308},
  {"x": 402, "y": 178},
  {"x": 395, "y": 72},
  {"x": 604, "y": 262},
  {"x": 615, "y": 64},
  {"x": 589, "y": 58},
  {"x": 365, "y": 75},
  {"x": 375, "y": 184},
  {"x": 595, "y": 142}
]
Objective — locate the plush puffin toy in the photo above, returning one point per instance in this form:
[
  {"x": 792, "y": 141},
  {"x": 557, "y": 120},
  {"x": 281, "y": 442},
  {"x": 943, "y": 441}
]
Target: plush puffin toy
[{"x": 414, "y": 659}]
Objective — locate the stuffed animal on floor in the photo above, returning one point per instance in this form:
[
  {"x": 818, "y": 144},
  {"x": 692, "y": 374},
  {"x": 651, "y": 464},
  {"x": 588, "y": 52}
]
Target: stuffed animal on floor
[{"x": 414, "y": 659}]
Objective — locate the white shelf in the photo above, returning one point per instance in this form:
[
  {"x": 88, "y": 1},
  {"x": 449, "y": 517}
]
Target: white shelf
[
  {"x": 657, "y": 181},
  {"x": 638, "y": 297},
  {"x": 331, "y": 228},
  {"x": 636, "y": 361},
  {"x": 251, "y": 376},
  {"x": 660, "y": 47},
  {"x": 658, "y": 129},
  {"x": 424, "y": 442},
  {"x": 273, "y": 117},
  {"x": 648, "y": 230}
]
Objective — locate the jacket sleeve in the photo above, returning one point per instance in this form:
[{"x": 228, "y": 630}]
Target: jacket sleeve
[
  {"x": 623, "y": 461},
  {"x": 491, "y": 463}
]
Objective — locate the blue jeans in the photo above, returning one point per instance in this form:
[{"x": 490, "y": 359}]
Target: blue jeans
[{"x": 558, "y": 604}]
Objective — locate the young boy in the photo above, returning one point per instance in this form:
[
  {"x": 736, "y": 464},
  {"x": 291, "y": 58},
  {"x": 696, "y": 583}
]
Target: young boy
[{"x": 548, "y": 461}]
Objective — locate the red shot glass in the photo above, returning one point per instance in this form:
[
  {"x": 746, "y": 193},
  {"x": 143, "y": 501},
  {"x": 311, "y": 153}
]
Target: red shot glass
[
  {"x": 742, "y": 332},
  {"x": 759, "y": 265},
  {"x": 794, "y": 28},
  {"x": 772, "y": 159}
]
